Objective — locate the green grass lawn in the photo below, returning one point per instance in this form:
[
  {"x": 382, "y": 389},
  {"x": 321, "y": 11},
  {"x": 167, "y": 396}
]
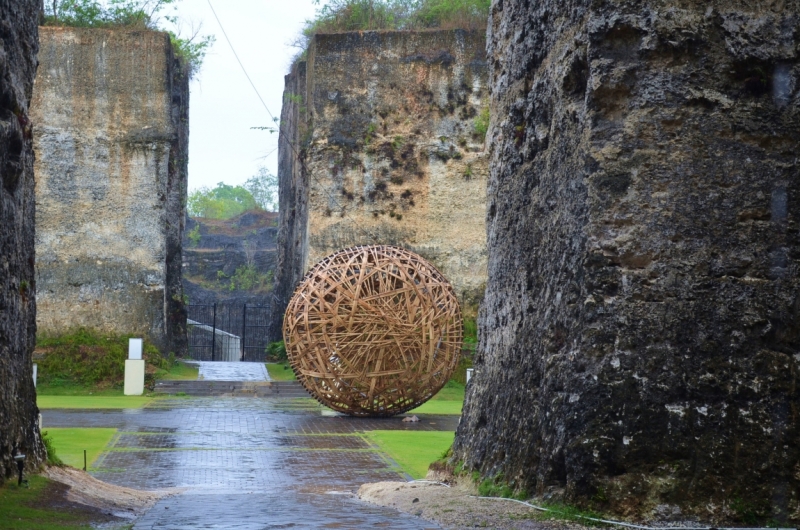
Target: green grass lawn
[
  {"x": 413, "y": 450},
  {"x": 280, "y": 372},
  {"x": 69, "y": 389},
  {"x": 449, "y": 400},
  {"x": 34, "y": 508},
  {"x": 70, "y": 443},
  {"x": 92, "y": 402},
  {"x": 179, "y": 372}
]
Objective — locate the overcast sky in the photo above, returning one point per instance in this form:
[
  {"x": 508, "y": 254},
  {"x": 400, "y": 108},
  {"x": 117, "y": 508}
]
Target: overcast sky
[{"x": 223, "y": 105}]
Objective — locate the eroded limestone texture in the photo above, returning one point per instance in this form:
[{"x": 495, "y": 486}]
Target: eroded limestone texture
[
  {"x": 111, "y": 113},
  {"x": 640, "y": 335},
  {"x": 378, "y": 146},
  {"x": 18, "y": 412}
]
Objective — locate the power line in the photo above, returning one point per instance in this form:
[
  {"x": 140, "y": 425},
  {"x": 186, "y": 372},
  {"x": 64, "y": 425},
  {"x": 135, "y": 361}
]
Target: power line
[
  {"x": 239, "y": 61},
  {"x": 281, "y": 131}
]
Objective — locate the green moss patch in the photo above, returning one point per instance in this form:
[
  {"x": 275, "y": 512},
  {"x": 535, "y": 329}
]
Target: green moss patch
[{"x": 413, "y": 450}]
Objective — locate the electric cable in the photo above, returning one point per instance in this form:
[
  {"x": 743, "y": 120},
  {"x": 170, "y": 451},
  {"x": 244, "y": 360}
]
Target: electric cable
[
  {"x": 627, "y": 525},
  {"x": 281, "y": 131}
]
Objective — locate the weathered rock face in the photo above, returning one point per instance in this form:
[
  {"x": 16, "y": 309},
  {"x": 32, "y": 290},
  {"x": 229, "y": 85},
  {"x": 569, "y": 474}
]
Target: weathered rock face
[
  {"x": 292, "y": 249},
  {"x": 111, "y": 114},
  {"x": 640, "y": 335},
  {"x": 214, "y": 250},
  {"x": 18, "y": 411},
  {"x": 379, "y": 147}
]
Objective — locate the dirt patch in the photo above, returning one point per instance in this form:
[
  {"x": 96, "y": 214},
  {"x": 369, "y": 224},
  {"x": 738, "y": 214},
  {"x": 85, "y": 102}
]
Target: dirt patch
[
  {"x": 456, "y": 506},
  {"x": 106, "y": 498},
  {"x": 55, "y": 497}
]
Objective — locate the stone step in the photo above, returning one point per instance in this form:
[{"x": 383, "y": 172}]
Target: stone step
[{"x": 234, "y": 388}]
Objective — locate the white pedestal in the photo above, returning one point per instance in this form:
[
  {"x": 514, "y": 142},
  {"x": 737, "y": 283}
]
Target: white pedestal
[{"x": 134, "y": 377}]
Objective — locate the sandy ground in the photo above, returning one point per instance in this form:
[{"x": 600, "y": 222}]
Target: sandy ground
[
  {"x": 114, "y": 500},
  {"x": 456, "y": 507}
]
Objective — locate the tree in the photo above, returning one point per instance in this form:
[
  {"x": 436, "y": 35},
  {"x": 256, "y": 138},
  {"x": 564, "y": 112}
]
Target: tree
[
  {"x": 264, "y": 189},
  {"x": 223, "y": 202}
]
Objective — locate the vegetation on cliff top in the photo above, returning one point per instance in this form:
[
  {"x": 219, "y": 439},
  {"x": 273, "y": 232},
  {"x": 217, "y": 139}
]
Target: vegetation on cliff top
[
  {"x": 360, "y": 15},
  {"x": 142, "y": 14},
  {"x": 335, "y": 16},
  {"x": 259, "y": 192}
]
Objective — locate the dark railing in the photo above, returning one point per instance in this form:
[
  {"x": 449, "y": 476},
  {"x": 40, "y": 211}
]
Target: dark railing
[{"x": 228, "y": 332}]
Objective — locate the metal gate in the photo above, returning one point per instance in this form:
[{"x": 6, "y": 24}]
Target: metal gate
[{"x": 227, "y": 332}]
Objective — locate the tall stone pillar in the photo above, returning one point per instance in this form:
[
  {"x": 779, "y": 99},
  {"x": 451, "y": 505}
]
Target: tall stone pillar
[
  {"x": 18, "y": 413},
  {"x": 640, "y": 335}
]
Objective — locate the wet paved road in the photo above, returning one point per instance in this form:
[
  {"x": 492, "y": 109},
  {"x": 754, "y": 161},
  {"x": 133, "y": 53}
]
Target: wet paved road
[{"x": 249, "y": 463}]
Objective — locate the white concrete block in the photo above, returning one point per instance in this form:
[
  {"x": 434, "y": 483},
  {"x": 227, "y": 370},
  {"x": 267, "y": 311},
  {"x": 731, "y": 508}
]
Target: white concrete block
[{"x": 134, "y": 377}]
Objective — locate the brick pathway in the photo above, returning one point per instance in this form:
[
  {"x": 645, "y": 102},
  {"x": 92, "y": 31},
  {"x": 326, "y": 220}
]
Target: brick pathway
[{"x": 249, "y": 462}]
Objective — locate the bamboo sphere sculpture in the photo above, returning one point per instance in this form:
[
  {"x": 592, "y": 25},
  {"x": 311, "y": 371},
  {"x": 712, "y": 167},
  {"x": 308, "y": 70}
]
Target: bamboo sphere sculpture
[{"x": 373, "y": 331}]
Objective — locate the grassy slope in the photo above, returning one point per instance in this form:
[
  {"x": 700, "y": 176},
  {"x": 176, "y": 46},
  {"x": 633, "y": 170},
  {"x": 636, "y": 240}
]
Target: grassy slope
[
  {"x": 413, "y": 450},
  {"x": 74, "y": 396},
  {"x": 70, "y": 444},
  {"x": 280, "y": 372},
  {"x": 26, "y": 509}
]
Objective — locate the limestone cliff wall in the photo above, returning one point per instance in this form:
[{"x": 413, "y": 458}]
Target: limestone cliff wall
[
  {"x": 292, "y": 246},
  {"x": 640, "y": 334},
  {"x": 380, "y": 147},
  {"x": 111, "y": 114},
  {"x": 18, "y": 411}
]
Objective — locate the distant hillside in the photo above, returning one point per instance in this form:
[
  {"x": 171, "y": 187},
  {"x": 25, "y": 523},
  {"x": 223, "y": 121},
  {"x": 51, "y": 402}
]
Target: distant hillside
[{"x": 230, "y": 260}]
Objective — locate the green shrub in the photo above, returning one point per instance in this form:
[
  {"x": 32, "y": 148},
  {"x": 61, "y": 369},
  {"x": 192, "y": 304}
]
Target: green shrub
[
  {"x": 481, "y": 123},
  {"x": 276, "y": 352},
  {"x": 363, "y": 15},
  {"x": 87, "y": 358},
  {"x": 52, "y": 457},
  {"x": 194, "y": 235},
  {"x": 466, "y": 14},
  {"x": 498, "y": 487},
  {"x": 247, "y": 278}
]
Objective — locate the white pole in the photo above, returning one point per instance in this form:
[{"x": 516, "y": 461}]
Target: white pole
[{"x": 134, "y": 369}]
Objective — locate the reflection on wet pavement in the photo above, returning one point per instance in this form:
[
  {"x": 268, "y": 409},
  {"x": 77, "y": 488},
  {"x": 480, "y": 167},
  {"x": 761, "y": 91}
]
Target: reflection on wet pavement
[{"x": 248, "y": 462}]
